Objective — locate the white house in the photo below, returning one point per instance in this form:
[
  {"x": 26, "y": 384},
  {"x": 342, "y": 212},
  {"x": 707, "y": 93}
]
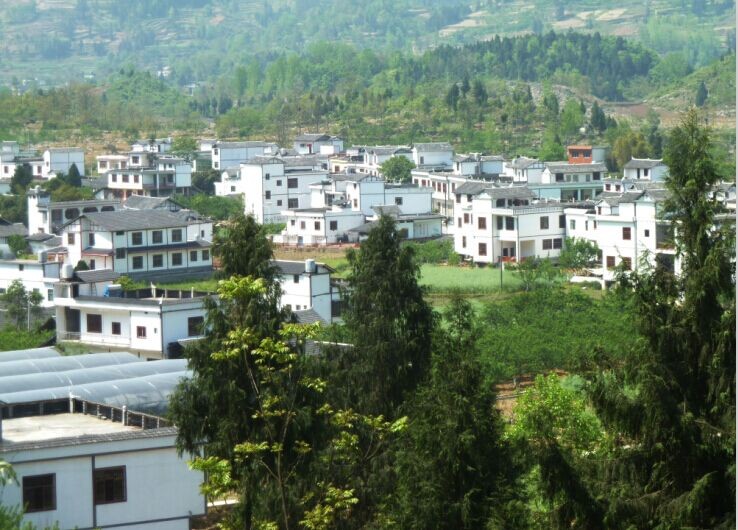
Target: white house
[
  {"x": 319, "y": 226},
  {"x": 149, "y": 322},
  {"x": 108, "y": 162},
  {"x": 60, "y": 160},
  {"x": 91, "y": 470},
  {"x": 408, "y": 226},
  {"x": 38, "y": 276},
  {"x": 141, "y": 243},
  {"x": 646, "y": 169},
  {"x": 7, "y": 230},
  {"x": 564, "y": 181},
  {"x": 150, "y": 175},
  {"x": 366, "y": 160},
  {"x": 504, "y": 224},
  {"x": 434, "y": 154},
  {"x": 307, "y": 285},
  {"x": 45, "y": 216},
  {"x": 320, "y": 143},
  {"x": 231, "y": 154},
  {"x": 364, "y": 193},
  {"x": 523, "y": 169},
  {"x": 156, "y": 145},
  {"x": 271, "y": 185}
]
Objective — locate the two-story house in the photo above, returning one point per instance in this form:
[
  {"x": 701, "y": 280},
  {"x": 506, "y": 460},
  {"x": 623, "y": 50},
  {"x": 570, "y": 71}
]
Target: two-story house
[
  {"x": 141, "y": 243},
  {"x": 317, "y": 143},
  {"x": 225, "y": 155},
  {"x": 61, "y": 159},
  {"x": 433, "y": 154}
]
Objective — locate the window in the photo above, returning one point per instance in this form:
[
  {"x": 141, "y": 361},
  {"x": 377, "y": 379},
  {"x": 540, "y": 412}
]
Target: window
[
  {"x": 466, "y": 218},
  {"x": 91, "y": 239},
  {"x": 177, "y": 235},
  {"x": 157, "y": 261},
  {"x": 645, "y": 172},
  {"x": 500, "y": 222},
  {"x": 115, "y": 328},
  {"x": 233, "y": 188},
  {"x": 70, "y": 238},
  {"x": 137, "y": 238},
  {"x": 509, "y": 223},
  {"x": 573, "y": 224},
  {"x": 463, "y": 241},
  {"x": 458, "y": 198},
  {"x": 334, "y": 225},
  {"x": 398, "y": 201},
  {"x": 137, "y": 262},
  {"x": 267, "y": 194},
  {"x": 292, "y": 183},
  {"x": 94, "y": 323},
  {"x": 547, "y": 244},
  {"x": 205, "y": 255},
  {"x": 608, "y": 187},
  {"x": 544, "y": 222},
  {"x": 500, "y": 203},
  {"x": 627, "y": 263},
  {"x": 482, "y": 223},
  {"x": 482, "y": 249},
  {"x": 193, "y": 255},
  {"x": 120, "y": 253},
  {"x": 279, "y": 202},
  {"x": 39, "y": 493},
  {"x": 610, "y": 260},
  {"x": 557, "y": 243},
  {"x": 626, "y": 233},
  {"x": 194, "y": 326},
  {"x": 459, "y": 221},
  {"x": 50, "y": 295},
  {"x": 302, "y": 225},
  {"x": 125, "y": 178},
  {"x": 21, "y": 267},
  {"x": 562, "y": 221},
  {"x": 114, "y": 178},
  {"x": 292, "y": 222},
  {"x": 92, "y": 264},
  {"x": 177, "y": 259},
  {"x": 279, "y": 182},
  {"x": 118, "y": 233},
  {"x": 140, "y": 332},
  {"x": 646, "y": 233},
  {"x": 596, "y": 175},
  {"x": 135, "y": 179},
  {"x": 267, "y": 176},
  {"x": 295, "y": 278},
  {"x": 317, "y": 225},
  {"x": 356, "y": 203},
  {"x": 156, "y": 236},
  {"x": 292, "y": 203}
]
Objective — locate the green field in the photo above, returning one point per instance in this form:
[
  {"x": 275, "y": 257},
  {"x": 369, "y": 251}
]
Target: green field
[{"x": 472, "y": 280}]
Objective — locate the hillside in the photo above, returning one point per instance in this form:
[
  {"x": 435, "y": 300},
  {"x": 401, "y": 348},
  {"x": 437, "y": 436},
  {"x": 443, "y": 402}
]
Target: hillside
[{"x": 192, "y": 41}]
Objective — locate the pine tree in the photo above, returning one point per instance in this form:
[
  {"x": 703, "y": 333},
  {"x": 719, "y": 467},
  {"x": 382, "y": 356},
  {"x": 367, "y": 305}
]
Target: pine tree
[
  {"x": 673, "y": 461},
  {"x": 701, "y": 96},
  {"x": 389, "y": 321}
]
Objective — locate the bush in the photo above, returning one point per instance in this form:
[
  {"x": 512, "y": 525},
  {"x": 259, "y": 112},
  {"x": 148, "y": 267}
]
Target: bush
[{"x": 434, "y": 252}]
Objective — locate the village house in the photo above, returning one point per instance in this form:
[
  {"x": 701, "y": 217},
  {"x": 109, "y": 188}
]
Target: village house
[
  {"x": 226, "y": 155},
  {"x": 80, "y": 466},
  {"x": 8, "y": 230},
  {"x": 522, "y": 169},
  {"x": 59, "y": 160},
  {"x": 367, "y": 159},
  {"x": 147, "y": 174},
  {"x": 141, "y": 243},
  {"x": 645, "y": 169},
  {"x": 320, "y": 143},
  {"x": 38, "y": 276},
  {"x": 46, "y": 216},
  {"x": 433, "y": 155}
]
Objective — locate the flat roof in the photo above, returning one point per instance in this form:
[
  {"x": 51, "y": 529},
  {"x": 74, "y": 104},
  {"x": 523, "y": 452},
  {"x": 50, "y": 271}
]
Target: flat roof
[{"x": 55, "y": 426}]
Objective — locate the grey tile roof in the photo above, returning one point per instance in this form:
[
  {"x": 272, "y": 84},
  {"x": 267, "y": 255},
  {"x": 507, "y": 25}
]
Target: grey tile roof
[
  {"x": 388, "y": 149},
  {"x": 64, "y": 149},
  {"x": 140, "y": 219},
  {"x": 565, "y": 167},
  {"x": 16, "y": 229},
  {"x": 261, "y": 160},
  {"x": 97, "y": 275},
  {"x": 141, "y": 202},
  {"x": 307, "y": 316},
  {"x": 642, "y": 163},
  {"x": 626, "y": 197},
  {"x": 243, "y": 145},
  {"x": 41, "y": 236},
  {"x": 365, "y": 228},
  {"x": 390, "y": 209},
  {"x": 523, "y": 162},
  {"x": 511, "y": 192},
  {"x": 472, "y": 188},
  {"x": 433, "y": 146}
]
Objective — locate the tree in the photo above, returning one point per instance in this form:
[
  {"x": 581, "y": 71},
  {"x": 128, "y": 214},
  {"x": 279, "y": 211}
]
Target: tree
[
  {"x": 184, "y": 145},
  {"x": 598, "y": 120},
  {"x": 578, "y": 253},
  {"x": 21, "y": 179},
  {"x": 701, "y": 96},
  {"x": 452, "y": 96},
  {"x": 397, "y": 169},
  {"x": 18, "y": 244},
  {"x": 73, "y": 178},
  {"x": 21, "y": 306},
  {"x": 479, "y": 92},
  {"x": 628, "y": 145},
  {"x": 454, "y": 469},
  {"x": 673, "y": 402},
  {"x": 243, "y": 249},
  {"x": 389, "y": 321},
  {"x": 551, "y": 147},
  {"x": 555, "y": 431},
  {"x": 572, "y": 118}
]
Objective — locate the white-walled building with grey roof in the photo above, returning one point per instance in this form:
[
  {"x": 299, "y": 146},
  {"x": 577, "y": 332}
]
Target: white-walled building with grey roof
[{"x": 141, "y": 243}]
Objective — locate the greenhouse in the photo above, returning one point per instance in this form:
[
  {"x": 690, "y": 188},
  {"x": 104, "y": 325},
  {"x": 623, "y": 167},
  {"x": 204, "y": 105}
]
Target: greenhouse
[
  {"x": 64, "y": 364},
  {"x": 34, "y": 353}
]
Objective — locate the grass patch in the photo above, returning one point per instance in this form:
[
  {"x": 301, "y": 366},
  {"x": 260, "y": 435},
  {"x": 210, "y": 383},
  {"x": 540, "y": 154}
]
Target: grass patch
[
  {"x": 204, "y": 284},
  {"x": 481, "y": 280},
  {"x": 20, "y": 339}
]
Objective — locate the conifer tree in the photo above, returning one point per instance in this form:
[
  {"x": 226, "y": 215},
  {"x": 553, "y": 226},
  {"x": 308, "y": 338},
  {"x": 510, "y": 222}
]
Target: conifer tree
[
  {"x": 389, "y": 321},
  {"x": 673, "y": 404}
]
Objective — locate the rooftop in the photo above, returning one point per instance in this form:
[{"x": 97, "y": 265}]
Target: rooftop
[
  {"x": 141, "y": 219},
  {"x": 43, "y": 428},
  {"x": 642, "y": 163},
  {"x": 433, "y": 146},
  {"x": 566, "y": 167}
]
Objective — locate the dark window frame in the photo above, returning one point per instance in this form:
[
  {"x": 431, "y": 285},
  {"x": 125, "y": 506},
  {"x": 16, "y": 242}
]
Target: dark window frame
[
  {"x": 97, "y": 324},
  {"x": 48, "y": 501},
  {"x": 101, "y": 478}
]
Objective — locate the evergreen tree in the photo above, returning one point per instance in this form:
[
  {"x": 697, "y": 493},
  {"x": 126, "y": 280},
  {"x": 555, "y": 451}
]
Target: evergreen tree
[
  {"x": 243, "y": 249},
  {"x": 453, "y": 468},
  {"x": 389, "y": 321},
  {"x": 397, "y": 169},
  {"x": 673, "y": 404},
  {"x": 21, "y": 179},
  {"x": 701, "y": 96},
  {"x": 73, "y": 178},
  {"x": 452, "y": 97}
]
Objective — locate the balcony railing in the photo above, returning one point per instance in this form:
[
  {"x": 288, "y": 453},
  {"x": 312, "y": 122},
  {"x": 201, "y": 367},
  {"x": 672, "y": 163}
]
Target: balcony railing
[{"x": 94, "y": 338}]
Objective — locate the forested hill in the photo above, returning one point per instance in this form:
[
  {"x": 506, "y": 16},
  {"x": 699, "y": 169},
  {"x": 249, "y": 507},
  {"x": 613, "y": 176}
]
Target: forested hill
[{"x": 193, "y": 41}]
